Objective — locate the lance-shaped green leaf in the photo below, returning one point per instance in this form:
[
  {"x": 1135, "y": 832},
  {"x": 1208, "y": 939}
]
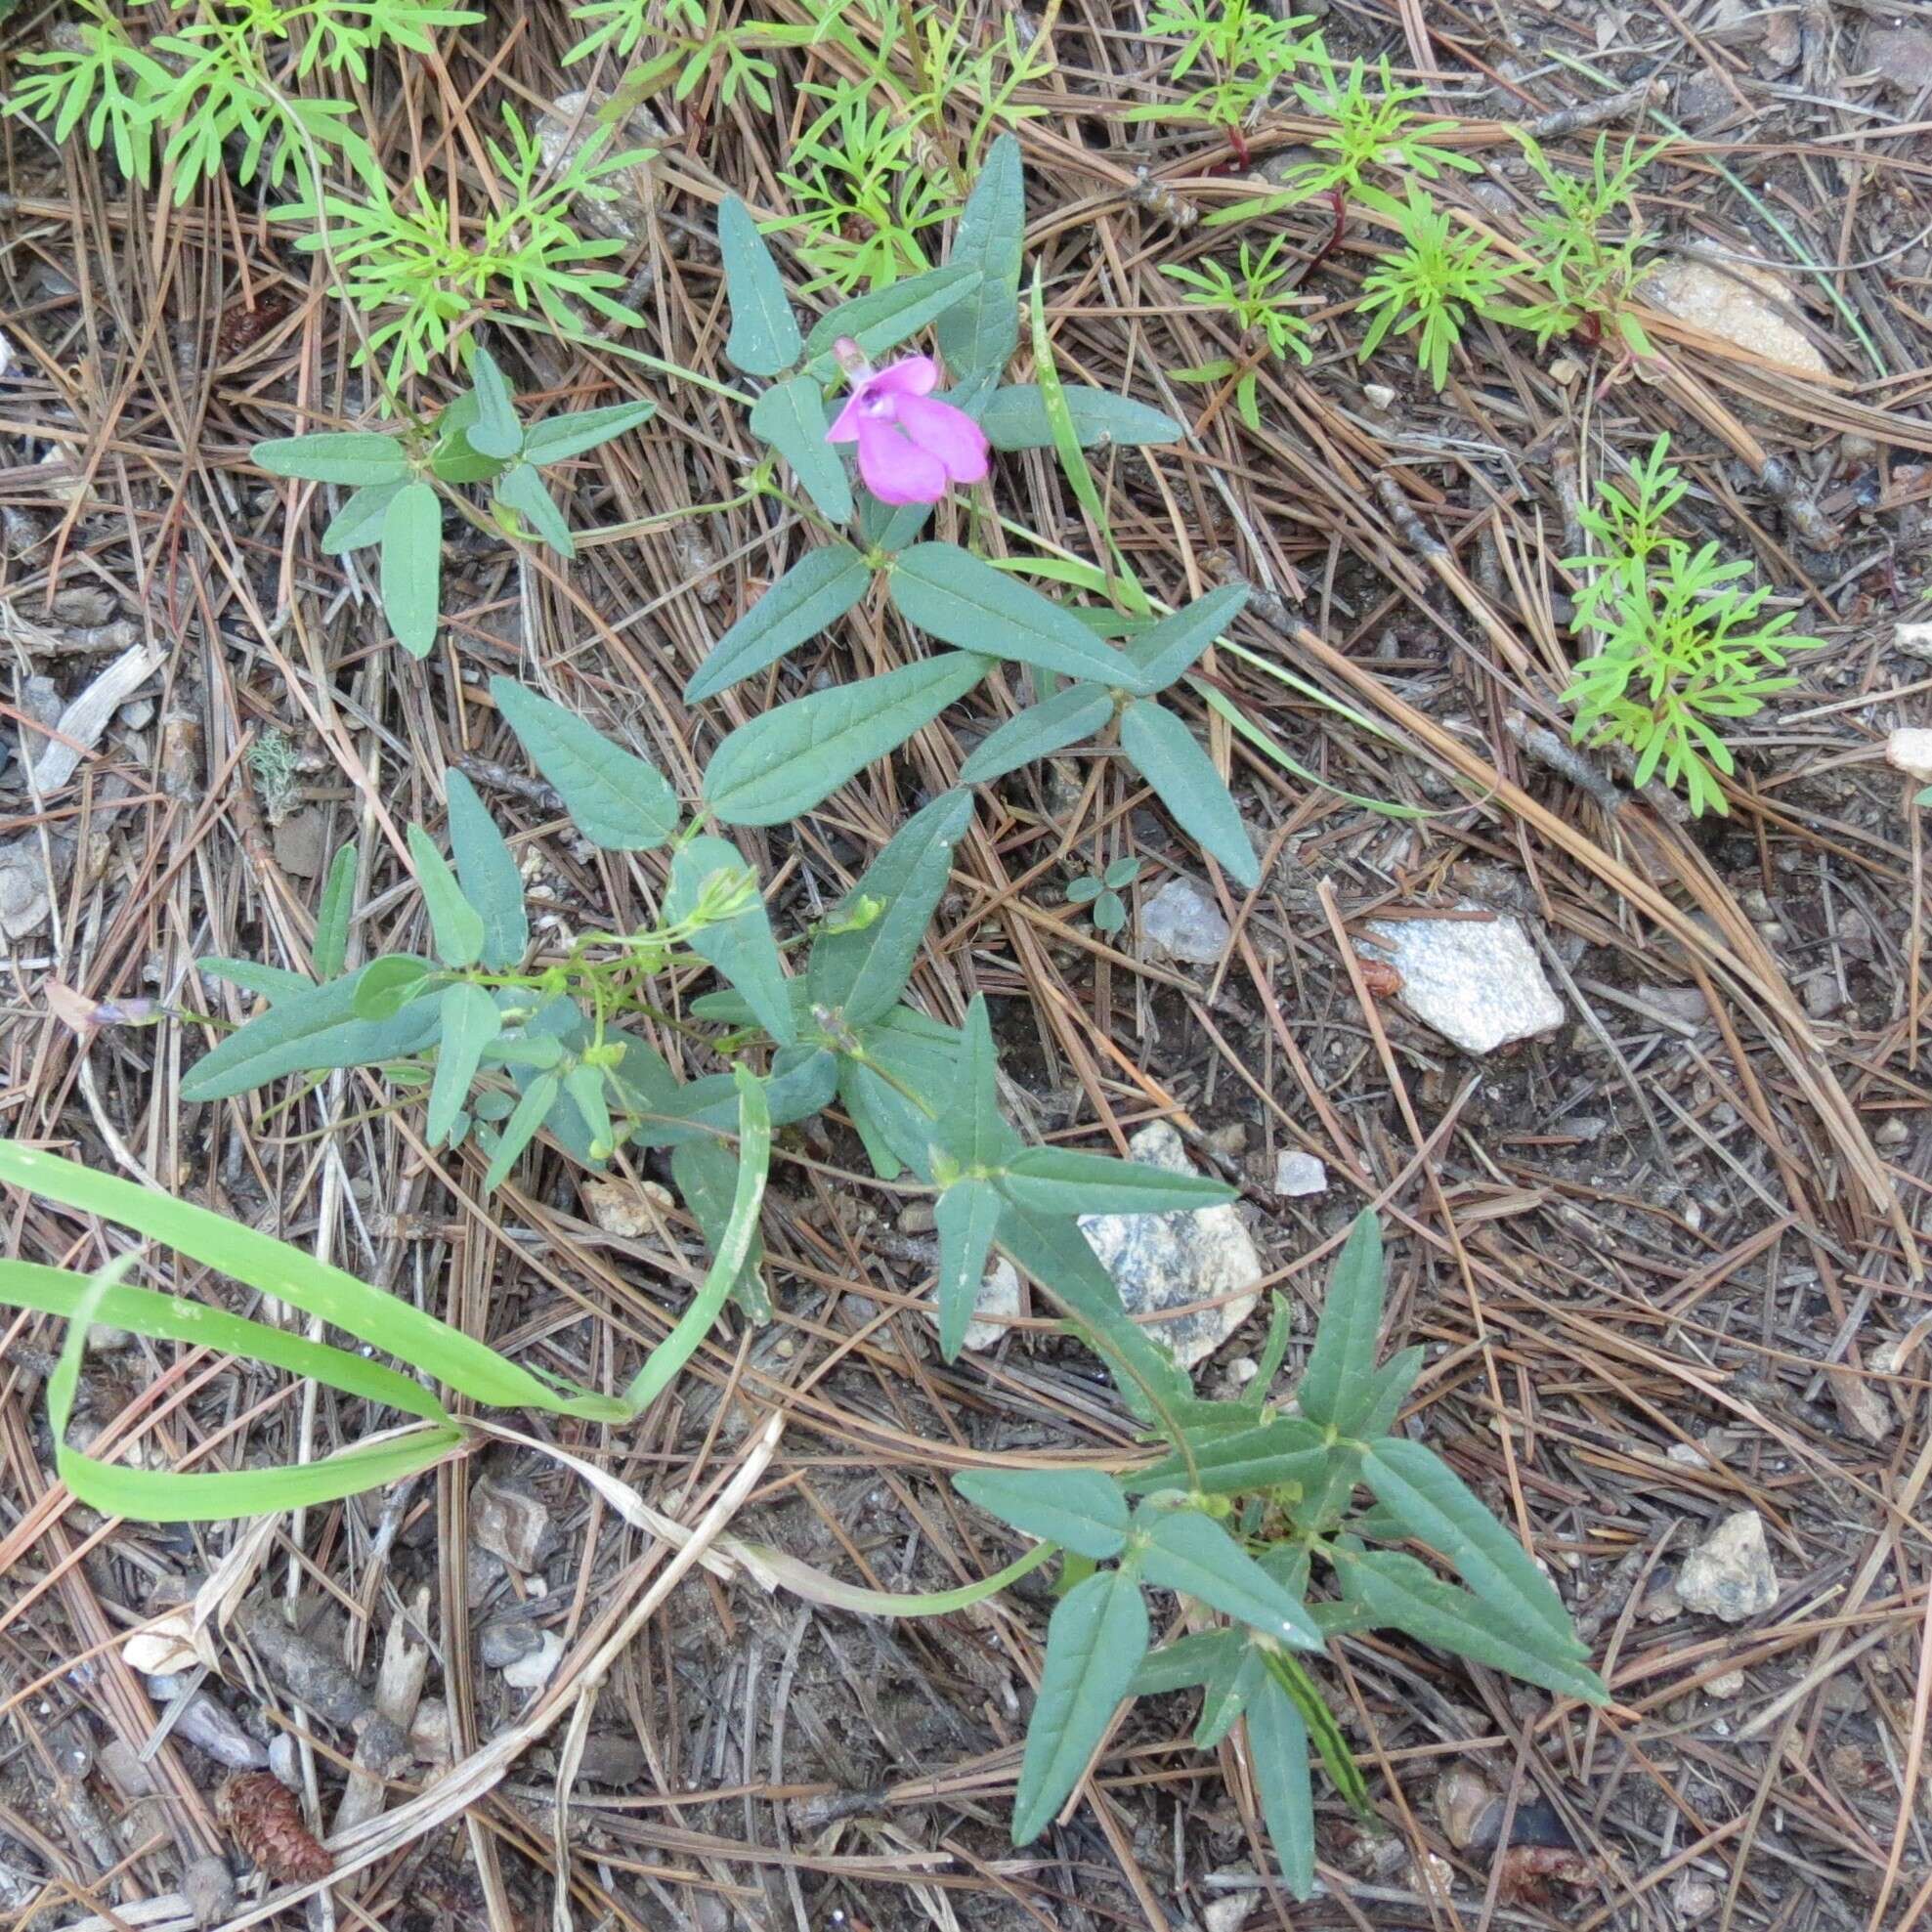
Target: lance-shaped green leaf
[
  {"x": 522, "y": 1128},
  {"x": 1095, "y": 1640},
  {"x": 360, "y": 520},
  {"x": 1163, "y": 751},
  {"x": 965, "y": 1216},
  {"x": 705, "y": 1173},
  {"x": 813, "y": 594},
  {"x": 764, "y": 334},
  {"x": 558, "y": 438},
  {"x": 338, "y": 906},
  {"x": 740, "y": 947},
  {"x": 1160, "y": 654},
  {"x": 892, "y": 527},
  {"x": 1052, "y": 724},
  {"x": 952, "y": 594},
  {"x": 971, "y": 1129},
  {"x": 1186, "y": 1662},
  {"x": 791, "y": 417},
  {"x": 900, "y": 1053},
  {"x": 351, "y": 456},
  {"x": 1433, "y": 1504},
  {"x": 488, "y": 869},
  {"x": 1015, "y": 417},
  {"x": 412, "y": 571},
  {"x": 521, "y": 490},
  {"x": 1338, "y": 1385},
  {"x": 311, "y": 1031},
  {"x": 1079, "y": 1509},
  {"x": 495, "y": 431},
  {"x": 1183, "y": 1550},
  {"x": 786, "y": 761},
  {"x": 730, "y": 1253},
  {"x": 386, "y": 986},
  {"x": 860, "y": 965},
  {"x": 979, "y": 332},
  {"x": 617, "y": 800},
  {"x": 884, "y": 319},
  {"x": 1059, "y": 1180},
  {"x": 1388, "y": 1390},
  {"x": 291, "y": 1274},
  {"x": 1278, "y": 1756},
  {"x": 470, "y": 1021},
  {"x": 1284, "y": 1449},
  {"x": 1238, "y": 1674},
  {"x": 1402, "y": 1593},
  {"x": 457, "y": 925}
]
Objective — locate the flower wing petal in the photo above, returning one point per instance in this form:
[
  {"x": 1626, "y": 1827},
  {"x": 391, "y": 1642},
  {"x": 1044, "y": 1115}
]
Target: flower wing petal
[
  {"x": 910, "y": 376},
  {"x": 896, "y": 470},
  {"x": 947, "y": 432}
]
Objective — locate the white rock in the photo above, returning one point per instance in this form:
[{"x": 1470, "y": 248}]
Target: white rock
[
  {"x": 1730, "y": 1685},
  {"x": 998, "y": 1295},
  {"x": 1296, "y": 1173},
  {"x": 1688, "y": 1454},
  {"x": 1915, "y": 639},
  {"x": 1169, "y": 1261},
  {"x": 1736, "y": 304},
  {"x": 1728, "y": 1575},
  {"x": 532, "y": 1672},
  {"x": 1378, "y": 395},
  {"x": 1186, "y": 923},
  {"x": 1476, "y": 981},
  {"x": 1911, "y": 751}
]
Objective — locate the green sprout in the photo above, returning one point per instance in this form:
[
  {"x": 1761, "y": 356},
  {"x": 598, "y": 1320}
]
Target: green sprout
[{"x": 1101, "y": 890}]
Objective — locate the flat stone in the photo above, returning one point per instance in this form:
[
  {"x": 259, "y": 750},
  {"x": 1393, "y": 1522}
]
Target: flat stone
[
  {"x": 572, "y": 119},
  {"x": 1901, "y": 55},
  {"x": 1911, "y": 751},
  {"x": 1167, "y": 1260},
  {"x": 1478, "y": 982},
  {"x": 300, "y": 844},
  {"x": 1729, "y": 1574},
  {"x": 533, "y": 1671},
  {"x": 1736, "y": 304},
  {"x": 1182, "y": 920},
  {"x": 1296, "y": 1173}
]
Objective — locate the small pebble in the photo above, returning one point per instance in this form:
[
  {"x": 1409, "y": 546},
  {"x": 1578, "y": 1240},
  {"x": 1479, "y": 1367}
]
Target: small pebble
[
  {"x": 1296, "y": 1173},
  {"x": 208, "y": 1886},
  {"x": 532, "y": 1672},
  {"x": 504, "y": 1639}
]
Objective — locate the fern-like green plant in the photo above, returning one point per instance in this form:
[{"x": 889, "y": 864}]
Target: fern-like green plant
[
  {"x": 1431, "y": 285},
  {"x": 231, "y": 75},
  {"x": 1679, "y": 647}
]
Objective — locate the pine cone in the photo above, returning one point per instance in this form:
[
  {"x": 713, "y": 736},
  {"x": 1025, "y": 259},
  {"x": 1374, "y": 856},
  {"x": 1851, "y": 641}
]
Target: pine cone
[{"x": 264, "y": 1819}]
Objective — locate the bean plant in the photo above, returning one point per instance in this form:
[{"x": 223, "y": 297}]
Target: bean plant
[{"x": 1240, "y": 1523}]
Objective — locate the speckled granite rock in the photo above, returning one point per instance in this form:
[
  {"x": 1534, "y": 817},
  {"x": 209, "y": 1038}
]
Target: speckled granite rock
[{"x": 1167, "y": 1261}]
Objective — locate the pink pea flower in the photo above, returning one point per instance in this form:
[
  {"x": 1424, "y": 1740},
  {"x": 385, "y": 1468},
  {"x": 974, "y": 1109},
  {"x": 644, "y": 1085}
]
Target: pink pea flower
[{"x": 911, "y": 447}]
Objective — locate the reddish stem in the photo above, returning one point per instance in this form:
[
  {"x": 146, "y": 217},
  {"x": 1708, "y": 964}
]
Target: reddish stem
[{"x": 1341, "y": 210}]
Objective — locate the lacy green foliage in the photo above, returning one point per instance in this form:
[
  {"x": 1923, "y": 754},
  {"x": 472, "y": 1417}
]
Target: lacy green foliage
[
  {"x": 1258, "y": 296},
  {"x": 1679, "y": 646},
  {"x": 1587, "y": 246},
  {"x": 407, "y": 262},
  {"x": 1373, "y": 131},
  {"x": 866, "y": 207},
  {"x": 232, "y": 73},
  {"x": 1101, "y": 890},
  {"x": 1236, "y": 52},
  {"x": 1252, "y": 1515},
  {"x": 1432, "y": 285},
  {"x": 397, "y": 482}
]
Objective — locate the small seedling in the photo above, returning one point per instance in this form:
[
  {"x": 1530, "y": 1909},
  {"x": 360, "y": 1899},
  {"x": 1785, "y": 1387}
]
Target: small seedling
[
  {"x": 1101, "y": 890},
  {"x": 224, "y": 75},
  {"x": 1259, "y": 300},
  {"x": 1589, "y": 276},
  {"x": 1372, "y": 131},
  {"x": 1679, "y": 646},
  {"x": 1240, "y": 49},
  {"x": 405, "y": 259},
  {"x": 395, "y": 481},
  {"x": 1433, "y": 283}
]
